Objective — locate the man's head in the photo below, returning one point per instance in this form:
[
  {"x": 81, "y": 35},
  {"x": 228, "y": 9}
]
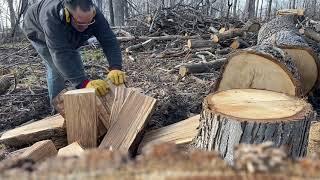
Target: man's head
[{"x": 82, "y": 13}]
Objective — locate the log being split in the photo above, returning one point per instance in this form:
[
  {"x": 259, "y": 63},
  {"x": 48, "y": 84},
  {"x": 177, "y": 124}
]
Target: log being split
[
  {"x": 253, "y": 116},
  {"x": 302, "y": 55},
  {"x": 260, "y": 67}
]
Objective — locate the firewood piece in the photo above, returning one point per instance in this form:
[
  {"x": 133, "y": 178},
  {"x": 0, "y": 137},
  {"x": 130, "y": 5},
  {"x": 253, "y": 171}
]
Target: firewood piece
[
  {"x": 314, "y": 139},
  {"x": 121, "y": 94},
  {"x": 251, "y": 26},
  {"x": 131, "y": 120},
  {"x": 260, "y": 67},
  {"x": 285, "y": 12},
  {"x": 213, "y": 30},
  {"x": 144, "y": 45},
  {"x": 4, "y": 84},
  {"x": 179, "y": 133},
  {"x": 302, "y": 55},
  {"x": 49, "y": 128},
  {"x": 71, "y": 150},
  {"x": 254, "y": 116},
  {"x": 227, "y": 35},
  {"x": 81, "y": 117},
  {"x": 39, "y": 151},
  {"x": 239, "y": 43},
  {"x": 308, "y": 32},
  {"x": 193, "y": 43},
  {"x": 186, "y": 69}
]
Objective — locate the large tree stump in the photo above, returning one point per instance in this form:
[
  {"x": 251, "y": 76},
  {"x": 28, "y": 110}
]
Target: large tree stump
[
  {"x": 253, "y": 116},
  {"x": 260, "y": 67}
]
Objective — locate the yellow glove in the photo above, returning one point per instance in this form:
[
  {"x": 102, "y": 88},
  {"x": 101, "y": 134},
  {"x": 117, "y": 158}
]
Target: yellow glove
[
  {"x": 100, "y": 86},
  {"x": 117, "y": 77}
]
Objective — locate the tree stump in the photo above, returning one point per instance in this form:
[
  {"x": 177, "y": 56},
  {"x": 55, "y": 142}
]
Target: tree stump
[
  {"x": 260, "y": 67},
  {"x": 253, "y": 116}
]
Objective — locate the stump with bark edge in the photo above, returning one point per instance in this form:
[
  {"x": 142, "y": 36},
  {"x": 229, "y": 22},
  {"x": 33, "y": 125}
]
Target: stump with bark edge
[
  {"x": 253, "y": 116},
  {"x": 260, "y": 67}
]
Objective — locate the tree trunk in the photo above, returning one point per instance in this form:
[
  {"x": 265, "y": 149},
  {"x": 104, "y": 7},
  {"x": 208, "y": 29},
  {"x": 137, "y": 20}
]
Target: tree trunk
[
  {"x": 111, "y": 12},
  {"x": 249, "y": 9},
  {"x": 12, "y": 13},
  {"x": 269, "y": 9},
  {"x": 118, "y": 12},
  {"x": 261, "y": 10},
  {"x": 235, "y": 8},
  {"x": 253, "y": 116},
  {"x": 261, "y": 67},
  {"x": 257, "y": 8},
  {"x": 126, "y": 9}
]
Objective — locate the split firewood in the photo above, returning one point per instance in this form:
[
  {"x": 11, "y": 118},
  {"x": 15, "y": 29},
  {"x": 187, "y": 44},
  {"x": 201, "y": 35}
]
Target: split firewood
[
  {"x": 254, "y": 116},
  {"x": 310, "y": 33},
  {"x": 179, "y": 133},
  {"x": 81, "y": 117},
  {"x": 39, "y": 151},
  {"x": 186, "y": 69},
  {"x": 239, "y": 43},
  {"x": 73, "y": 149},
  {"x": 260, "y": 67},
  {"x": 144, "y": 45},
  {"x": 49, "y": 128}
]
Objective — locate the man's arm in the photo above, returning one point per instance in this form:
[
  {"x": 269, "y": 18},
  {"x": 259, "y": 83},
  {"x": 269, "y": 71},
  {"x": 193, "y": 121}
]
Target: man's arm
[{"x": 108, "y": 41}]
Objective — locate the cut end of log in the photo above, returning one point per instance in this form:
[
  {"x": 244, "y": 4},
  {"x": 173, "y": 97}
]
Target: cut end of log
[
  {"x": 215, "y": 38},
  {"x": 252, "y": 104},
  {"x": 183, "y": 71},
  {"x": 222, "y": 30},
  {"x": 247, "y": 70}
]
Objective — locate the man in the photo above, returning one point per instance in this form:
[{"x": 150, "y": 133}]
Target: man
[{"x": 57, "y": 28}]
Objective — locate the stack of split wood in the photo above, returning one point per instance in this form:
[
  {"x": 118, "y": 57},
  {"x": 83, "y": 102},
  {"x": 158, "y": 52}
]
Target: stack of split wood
[{"x": 113, "y": 122}]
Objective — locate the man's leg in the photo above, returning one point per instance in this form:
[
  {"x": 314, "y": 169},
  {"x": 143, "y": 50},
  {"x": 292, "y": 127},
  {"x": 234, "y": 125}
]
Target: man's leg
[{"x": 55, "y": 80}]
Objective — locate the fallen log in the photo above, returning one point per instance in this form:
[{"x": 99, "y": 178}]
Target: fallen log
[
  {"x": 279, "y": 23},
  {"x": 81, "y": 117},
  {"x": 223, "y": 51},
  {"x": 253, "y": 116},
  {"x": 52, "y": 128},
  {"x": 144, "y": 45},
  {"x": 193, "y": 43},
  {"x": 309, "y": 33},
  {"x": 179, "y": 133},
  {"x": 126, "y": 131},
  {"x": 285, "y": 12},
  {"x": 260, "y": 67},
  {"x": 302, "y": 55},
  {"x": 227, "y": 35},
  {"x": 187, "y": 69}
]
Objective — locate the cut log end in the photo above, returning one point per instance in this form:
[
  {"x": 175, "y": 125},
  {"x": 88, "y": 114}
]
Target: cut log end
[
  {"x": 250, "y": 104},
  {"x": 247, "y": 70}
]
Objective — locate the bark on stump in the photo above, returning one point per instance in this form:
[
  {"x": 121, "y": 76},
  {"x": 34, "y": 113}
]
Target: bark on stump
[
  {"x": 253, "y": 116},
  {"x": 260, "y": 67}
]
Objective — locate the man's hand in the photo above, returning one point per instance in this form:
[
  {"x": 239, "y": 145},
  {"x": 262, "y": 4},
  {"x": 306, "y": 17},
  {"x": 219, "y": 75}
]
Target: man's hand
[
  {"x": 117, "y": 77},
  {"x": 100, "y": 86}
]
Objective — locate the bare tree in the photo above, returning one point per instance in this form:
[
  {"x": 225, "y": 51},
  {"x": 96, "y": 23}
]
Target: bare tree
[
  {"x": 12, "y": 13},
  {"x": 235, "y": 8},
  {"x": 269, "y": 9},
  {"x": 249, "y": 9},
  {"x": 111, "y": 12}
]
